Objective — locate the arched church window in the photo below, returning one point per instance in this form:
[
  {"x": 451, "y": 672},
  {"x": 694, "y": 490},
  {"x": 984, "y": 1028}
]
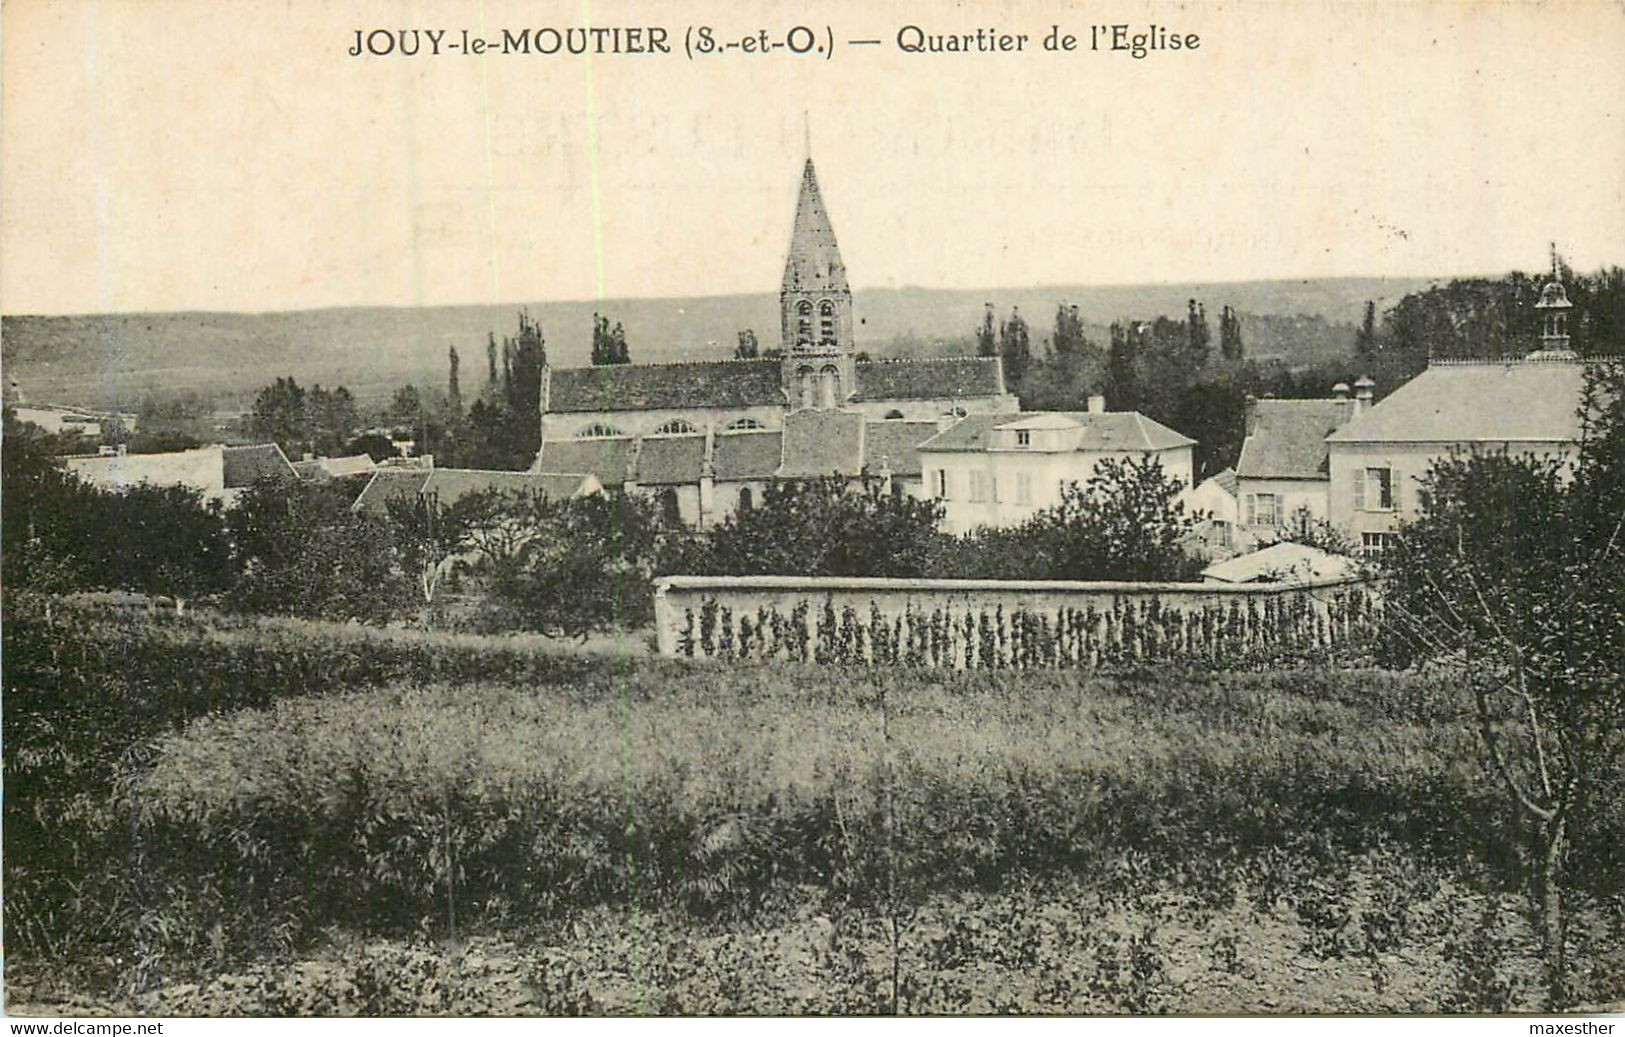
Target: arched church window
[
  {"x": 805, "y": 376},
  {"x": 599, "y": 430},
  {"x": 894, "y": 415},
  {"x": 675, "y": 427},
  {"x": 747, "y": 500},
  {"x": 829, "y": 388},
  {"x": 743, "y": 425},
  {"x": 669, "y": 507},
  {"x": 804, "y": 308}
]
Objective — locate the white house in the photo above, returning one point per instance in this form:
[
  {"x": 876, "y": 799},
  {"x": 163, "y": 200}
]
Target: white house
[
  {"x": 1529, "y": 406},
  {"x": 220, "y": 473},
  {"x": 1378, "y": 459},
  {"x": 1283, "y": 476},
  {"x": 1216, "y": 508},
  {"x": 1000, "y": 469}
]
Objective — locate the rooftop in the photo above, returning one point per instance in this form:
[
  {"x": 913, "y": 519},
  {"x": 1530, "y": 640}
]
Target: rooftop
[
  {"x": 1476, "y": 402},
  {"x": 1286, "y": 439},
  {"x": 1110, "y": 431}
]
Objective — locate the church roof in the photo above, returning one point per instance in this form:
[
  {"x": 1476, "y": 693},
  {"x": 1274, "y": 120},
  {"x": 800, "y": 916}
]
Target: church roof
[
  {"x": 822, "y": 442},
  {"x": 814, "y": 263},
  {"x": 722, "y": 384},
  {"x": 609, "y": 459},
  {"x": 1476, "y": 402},
  {"x": 747, "y": 455},
  {"x": 930, "y": 378},
  {"x": 895, "y": 445},
  {"x": 669, "y": 460}
]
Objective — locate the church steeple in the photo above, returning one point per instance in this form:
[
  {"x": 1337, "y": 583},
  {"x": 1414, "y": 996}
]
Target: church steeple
[{"x": 815, "y": 307}]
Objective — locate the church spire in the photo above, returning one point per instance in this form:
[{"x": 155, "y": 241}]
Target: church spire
[
  {"x": 814, "y": 263},
  {"x": 815, "y": 308}
]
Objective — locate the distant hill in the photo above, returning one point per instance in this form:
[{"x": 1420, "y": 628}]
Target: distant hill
[{"x": 115, "y": 360}]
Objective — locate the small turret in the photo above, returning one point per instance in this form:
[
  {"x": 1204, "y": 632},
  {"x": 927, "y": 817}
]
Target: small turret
[{"x": 1554, "y": 307}]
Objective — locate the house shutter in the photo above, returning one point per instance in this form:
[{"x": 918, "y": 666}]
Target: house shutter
[
  {"x": 1359, "y": 489},
  {"x": 1252, "y": 509}
]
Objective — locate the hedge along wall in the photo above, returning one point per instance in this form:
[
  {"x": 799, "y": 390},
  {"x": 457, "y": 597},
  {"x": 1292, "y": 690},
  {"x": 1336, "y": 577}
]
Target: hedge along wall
[{"x": 967, "y": 624}]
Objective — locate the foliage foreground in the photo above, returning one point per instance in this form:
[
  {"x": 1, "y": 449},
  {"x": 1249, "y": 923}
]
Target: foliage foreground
[{"x": 280, "y": 817}]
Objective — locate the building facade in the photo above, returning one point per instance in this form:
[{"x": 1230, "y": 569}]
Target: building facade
[{"x": 1000, "y": 470}]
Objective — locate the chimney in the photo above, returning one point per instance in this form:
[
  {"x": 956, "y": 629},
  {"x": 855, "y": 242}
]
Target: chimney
[
  {"x": 1097, "y": 404},
  {"x": 1362, "y": 392},
  {"x": 1340, "y": 392},
  {"x": 123, "y": 448},
  {"x": 1249, "y": 410}
]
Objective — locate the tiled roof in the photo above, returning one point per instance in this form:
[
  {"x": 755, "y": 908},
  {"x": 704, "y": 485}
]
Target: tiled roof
[
  {"x": 814, "y": 263},
  {"x": 244, "y": 465},
  {"x": 1287, "y": 439},
  {"x": 389, "y": 484},
  {"x": 720, "y": 384},
  {"x": 1111, "y": 431},
  {"x": 747, "y": 455},
  {"x": 1476, "y": 402},
  {"x": 1226, "y": 480},
  {"x": 609, "y": 459},
  {"x": 928, "y": 379},
  {"x": 669, "y": 460},
  {"x": 895, "y": 445},
  {"x": 822, "y": 442},
  {"x": 449, "y": 485}
]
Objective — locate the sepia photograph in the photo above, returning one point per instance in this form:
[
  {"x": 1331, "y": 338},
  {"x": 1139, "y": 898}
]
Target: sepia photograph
[{"x": 817, "y": 508}]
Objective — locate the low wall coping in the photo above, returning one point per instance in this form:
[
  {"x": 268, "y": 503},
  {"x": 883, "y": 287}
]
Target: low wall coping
[{"x": 812, "y": 584}]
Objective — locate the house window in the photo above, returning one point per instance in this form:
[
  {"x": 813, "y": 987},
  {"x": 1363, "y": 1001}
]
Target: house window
[
  {"x": 1372, "y": 545},
  {"x": 979, "y": 486},
  {"x": 1024, "y": 488},
  {"x": 1024, "y": 437},
  {"x": 1374, "y": 489},
  {"x": 942, "y": 484},
  {"x": 1264, "y": 509}
]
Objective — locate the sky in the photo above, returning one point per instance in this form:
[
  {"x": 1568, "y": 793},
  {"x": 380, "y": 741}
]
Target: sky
[{"x": 231, "y": 155}]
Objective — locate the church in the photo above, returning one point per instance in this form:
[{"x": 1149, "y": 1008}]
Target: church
[{"x": 708, "y": 437}]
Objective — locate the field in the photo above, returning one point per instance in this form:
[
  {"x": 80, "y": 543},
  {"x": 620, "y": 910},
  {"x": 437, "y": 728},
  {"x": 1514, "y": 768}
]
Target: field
[{"x": 271, "y": 816}]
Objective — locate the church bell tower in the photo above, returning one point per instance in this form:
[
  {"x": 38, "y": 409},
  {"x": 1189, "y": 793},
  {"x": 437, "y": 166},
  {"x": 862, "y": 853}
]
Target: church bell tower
[{"x": 815, "y": 309}]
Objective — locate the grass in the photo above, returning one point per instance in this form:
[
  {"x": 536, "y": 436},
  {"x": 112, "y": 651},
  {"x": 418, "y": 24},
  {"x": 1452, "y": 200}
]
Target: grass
[{"x": 423, "y": 791}]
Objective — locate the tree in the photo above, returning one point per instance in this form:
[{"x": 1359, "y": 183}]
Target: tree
[
  {"x": 1198, "y": 335},
  {"x": 586, "y": 563},
  {"x": 1365, "y": 340},
  {"x": 375, "y": 446},
  {"x": 986, "y": 345},
  {"x": 278, "y": 415},
  {"x": 454, "y": 389},
  {"x": 1069, "y": 338},
  {"x": 301, "y": 550},
  {"x": 1015, "y": 346},
  {"x": 1510, "y": 580},
  {"x": 826, "y": 527},
  {"x": 1122, "y": 374},
  {"x": 1230, "y": 346},
  {"x": 618, "y": 350},
  {"x": 748, "y": 349},
  {"x": 1126, "y": 523}
]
